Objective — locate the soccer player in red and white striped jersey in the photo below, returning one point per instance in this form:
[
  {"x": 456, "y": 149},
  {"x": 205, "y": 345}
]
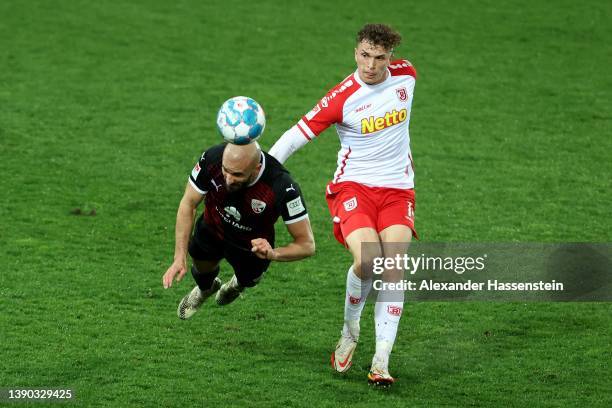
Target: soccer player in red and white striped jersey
[{"x": 371, "y": 196}]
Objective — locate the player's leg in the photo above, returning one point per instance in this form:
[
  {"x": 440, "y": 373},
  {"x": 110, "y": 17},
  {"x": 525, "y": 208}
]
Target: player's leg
[
  {"x": 358, "y": 285},
  {"x": 389, "y": 304},
  {"x": 396, "y": 229},
  {"x": 205, "y": 250},
  {"x": 205, "y": 272},
  {"x": 248, "y": 271},
  {"x": 351, "y": 209},
  {"x": 359, "y": 277},
  {"x": 207, "y": 283}
]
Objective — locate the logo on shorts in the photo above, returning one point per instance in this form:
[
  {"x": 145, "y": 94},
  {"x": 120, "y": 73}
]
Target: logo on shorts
[
  {"x": 233, "y": 212},
  {"x": 402, "y": 94},
  {"x": 394, "y": 310},
  {"x": 257, "y": 206},
  {"x": 351, "y": 204},
  {"x": 410, "y": 214}
]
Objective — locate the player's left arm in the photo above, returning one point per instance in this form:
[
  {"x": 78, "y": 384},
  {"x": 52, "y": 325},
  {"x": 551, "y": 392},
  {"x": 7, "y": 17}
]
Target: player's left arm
[
  {"x": 303, "y": 244},
  {"x": 292, "y": 208}
]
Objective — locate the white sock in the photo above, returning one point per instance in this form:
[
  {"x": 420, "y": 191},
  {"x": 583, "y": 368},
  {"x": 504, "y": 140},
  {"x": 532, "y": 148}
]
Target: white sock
[
  {"x": 387, "y": 314},
  {"x": 357, "y": 291}
]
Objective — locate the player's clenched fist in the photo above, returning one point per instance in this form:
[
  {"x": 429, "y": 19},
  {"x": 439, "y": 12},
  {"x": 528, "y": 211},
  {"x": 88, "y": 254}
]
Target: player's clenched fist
[{"x": 263, "y": 249}]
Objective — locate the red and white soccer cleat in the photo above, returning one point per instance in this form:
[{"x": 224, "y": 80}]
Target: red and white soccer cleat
[
  {"x": 342, "y": 357},
  {"x": 379, "y": 374}
]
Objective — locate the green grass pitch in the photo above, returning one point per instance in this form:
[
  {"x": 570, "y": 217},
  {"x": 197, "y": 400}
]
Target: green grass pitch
[{"x": 106, "y": 105}]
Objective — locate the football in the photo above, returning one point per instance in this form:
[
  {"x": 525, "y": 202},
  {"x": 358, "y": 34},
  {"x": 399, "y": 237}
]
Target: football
[{"x": 241, "y": 120}]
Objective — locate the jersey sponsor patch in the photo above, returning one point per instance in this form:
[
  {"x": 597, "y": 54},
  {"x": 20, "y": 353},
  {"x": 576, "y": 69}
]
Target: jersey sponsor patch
[
  {"x": 295, "y": 206},
  {"x": 257, "y": 206},
  {"x": 374, "y": 124},
  {"x": 350, "y": 204},
  {"x": 233, "y": 212},
  {"x": 196, "y": 171}
]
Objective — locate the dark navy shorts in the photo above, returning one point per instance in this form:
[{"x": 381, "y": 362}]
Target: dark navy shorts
[{"x": 205, "y": 245}]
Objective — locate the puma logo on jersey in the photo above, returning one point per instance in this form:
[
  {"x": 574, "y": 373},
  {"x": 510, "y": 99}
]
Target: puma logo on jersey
[{"x": 374, "y": 124}]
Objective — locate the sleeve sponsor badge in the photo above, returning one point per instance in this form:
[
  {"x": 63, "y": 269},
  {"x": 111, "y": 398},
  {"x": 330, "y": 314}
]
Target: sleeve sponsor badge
[
  {"x": 196, "y": 171},
  {"x": 295, "y": 206}
]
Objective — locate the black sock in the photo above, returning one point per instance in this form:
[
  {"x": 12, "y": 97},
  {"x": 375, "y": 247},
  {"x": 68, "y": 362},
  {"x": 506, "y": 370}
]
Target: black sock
[{"x": 204, "y": 280}]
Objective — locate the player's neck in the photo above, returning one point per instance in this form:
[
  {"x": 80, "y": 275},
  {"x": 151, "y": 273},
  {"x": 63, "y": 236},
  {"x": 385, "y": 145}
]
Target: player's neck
[{"x": 383, "y": 79}]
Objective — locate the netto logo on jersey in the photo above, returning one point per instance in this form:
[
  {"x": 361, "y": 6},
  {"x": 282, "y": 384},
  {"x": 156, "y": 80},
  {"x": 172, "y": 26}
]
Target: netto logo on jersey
[{"x": 373, "y": 124}]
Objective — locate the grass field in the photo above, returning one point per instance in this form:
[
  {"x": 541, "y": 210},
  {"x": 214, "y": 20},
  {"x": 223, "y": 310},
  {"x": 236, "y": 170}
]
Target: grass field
[{"x": 106, "y": 105}]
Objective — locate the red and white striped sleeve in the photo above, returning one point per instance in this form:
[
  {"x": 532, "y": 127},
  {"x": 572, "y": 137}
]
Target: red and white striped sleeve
[{"x": 402, "y": 67}]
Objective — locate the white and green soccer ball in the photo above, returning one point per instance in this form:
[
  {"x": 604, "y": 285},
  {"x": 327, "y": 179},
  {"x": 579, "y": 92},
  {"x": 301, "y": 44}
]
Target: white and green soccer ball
[{"x": 241, "y": 120}]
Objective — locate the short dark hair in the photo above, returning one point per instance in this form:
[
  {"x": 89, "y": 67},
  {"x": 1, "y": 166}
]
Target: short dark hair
[{"x": 379, "y": 34}]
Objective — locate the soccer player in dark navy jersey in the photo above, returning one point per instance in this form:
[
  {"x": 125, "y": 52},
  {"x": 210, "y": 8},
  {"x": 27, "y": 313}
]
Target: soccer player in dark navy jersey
[{"x": 245, "y": 191}]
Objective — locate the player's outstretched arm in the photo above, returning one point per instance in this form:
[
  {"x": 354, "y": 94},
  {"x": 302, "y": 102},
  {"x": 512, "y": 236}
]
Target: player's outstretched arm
[
  {"x": 184, "y": 224},
  {"x": 290, "y": 142},
  {"x": 303, "y": 244}
]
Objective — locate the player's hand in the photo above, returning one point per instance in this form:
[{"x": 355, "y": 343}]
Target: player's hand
[
  {"x": 177, "y": 269},
  {"x": 262, "y": 249}
]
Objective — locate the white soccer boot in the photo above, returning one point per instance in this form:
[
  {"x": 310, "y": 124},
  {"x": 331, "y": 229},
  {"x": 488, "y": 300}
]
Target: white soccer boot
[
  {"x": 342, "y": 357},
  {"x": 194, "y": 299},
  {"x": 229, "y": 292}
]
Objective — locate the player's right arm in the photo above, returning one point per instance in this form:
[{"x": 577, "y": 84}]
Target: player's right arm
[
  {"x": 290, "y": 142},
  {"x": 184, "y": 224},
  {"x": 324, "y": 114}
]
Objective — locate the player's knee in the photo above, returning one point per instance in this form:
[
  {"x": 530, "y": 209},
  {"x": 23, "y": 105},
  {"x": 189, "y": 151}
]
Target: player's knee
[
  {"x": 201, "y": 268},
  {"x": 363, "y": 263}
]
